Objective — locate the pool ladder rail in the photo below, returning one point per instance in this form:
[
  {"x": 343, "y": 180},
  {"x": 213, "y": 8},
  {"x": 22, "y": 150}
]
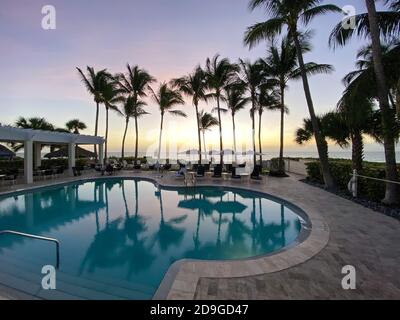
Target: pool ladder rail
[
  {"x": 190, "y": 178},
  {"x": 33, "y": 236}
]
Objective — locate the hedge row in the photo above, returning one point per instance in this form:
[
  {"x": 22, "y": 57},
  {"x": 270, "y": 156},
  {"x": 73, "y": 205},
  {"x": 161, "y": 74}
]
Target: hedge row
[
  {"x": 342, "y": 170},
  {"x": 6, "y": 165}
]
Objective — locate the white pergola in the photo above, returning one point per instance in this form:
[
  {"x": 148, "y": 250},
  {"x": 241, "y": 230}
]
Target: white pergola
[{"x": 34, "y": 139}]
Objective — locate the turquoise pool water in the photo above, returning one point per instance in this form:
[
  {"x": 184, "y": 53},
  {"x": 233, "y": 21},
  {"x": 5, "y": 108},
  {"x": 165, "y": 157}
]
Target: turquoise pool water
[{"x": 119, "y": 236}]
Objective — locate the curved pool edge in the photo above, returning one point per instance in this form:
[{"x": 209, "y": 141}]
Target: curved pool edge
[{"x": 181, "y": 278}]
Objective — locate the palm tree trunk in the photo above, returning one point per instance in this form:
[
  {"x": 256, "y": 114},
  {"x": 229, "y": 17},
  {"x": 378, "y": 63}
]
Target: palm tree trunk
[
  {"x": 159, "y": 141},
  {"x": 136, "y": 139},
  {"x": 259, "y": 137},
  {"x": 198, "y": 131},
  {"x": 106, "y": 138},
  {"x": 357, "y": 150},
  {"x": 253, "y": 129},
  {"x": 323, "y": 156},
  {"x": 96, "y": 127},
  {"x": 234, "y": 136},
  {"x": 221, "y": 146},
  {"x": 123, "y": 139},
  {"x": 204, "y": 142},
  {"x": 281, "y": 163},
  {"x": 391, "y": 196}
]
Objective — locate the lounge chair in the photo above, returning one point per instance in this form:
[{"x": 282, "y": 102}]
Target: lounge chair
[
  {"x": 201, "y": 171},
  {"x": 234, "y": 175},
  {"x": 109, "y": 169},
  {"x": 217, "y": 171},
  {"x": 137, "y": 165},
  {"x": 255, "y": 175}
]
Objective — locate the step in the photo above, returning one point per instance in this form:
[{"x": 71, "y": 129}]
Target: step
[{"x": 17, "y": 273}]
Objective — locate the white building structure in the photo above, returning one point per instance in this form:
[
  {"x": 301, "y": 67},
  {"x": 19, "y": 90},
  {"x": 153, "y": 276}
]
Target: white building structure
[{"x": 34, "y": 139}]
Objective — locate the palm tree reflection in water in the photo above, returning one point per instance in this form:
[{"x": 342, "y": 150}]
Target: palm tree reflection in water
[{"x": 140, "y": 245}]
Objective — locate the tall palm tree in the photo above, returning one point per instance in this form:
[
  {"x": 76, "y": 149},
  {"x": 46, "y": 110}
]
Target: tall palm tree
[
  {"x": 94, "y": 83},
  {"x": 289, "y": 14},
  {"x": 194, "y": 85},
  {"x": 131, "y": 109},
  {"x": 136, "y": 83},
  {"x": 207, "y": 121},
  {"x": 167, "y": 98},
  {"x": 236, "y": 101},
  {"x": 219, "y": 72},
  {"x": 253, "y": 76},
  {"x": 373, "y": 26},
  {"x": 267, "y": 99},
  {"x": 281, "y": 63},
  {"x": 111, "y": 95},
  {"x": 75, "y": 125}
]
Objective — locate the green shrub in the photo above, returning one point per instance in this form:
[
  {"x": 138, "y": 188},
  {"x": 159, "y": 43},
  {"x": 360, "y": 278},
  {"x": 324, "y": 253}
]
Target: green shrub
[{"x": 342, "y": 170}]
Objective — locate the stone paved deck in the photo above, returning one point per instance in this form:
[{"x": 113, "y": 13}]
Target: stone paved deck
[{"x": 358, "y": 236}]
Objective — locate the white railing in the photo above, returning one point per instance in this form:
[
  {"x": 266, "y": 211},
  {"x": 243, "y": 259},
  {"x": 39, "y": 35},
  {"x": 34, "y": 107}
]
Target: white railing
[{"x": 353, "y": 183}]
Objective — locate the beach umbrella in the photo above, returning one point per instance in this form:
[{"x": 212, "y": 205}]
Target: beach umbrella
[
  {"x": 228, "y": 152},
  {"x": 63, "y": 153},
  {"x": 229, "y": 207},
  {"x": 190, "y": 152},
  {"x": 5, "y": 152}
]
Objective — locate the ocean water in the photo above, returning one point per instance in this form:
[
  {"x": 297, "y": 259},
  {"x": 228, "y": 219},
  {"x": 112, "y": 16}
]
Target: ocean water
[{"x": 372, "y": 156}]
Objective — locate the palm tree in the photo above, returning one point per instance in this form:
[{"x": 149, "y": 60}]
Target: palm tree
[
  {"x": 267, "y": 99},
  {"x": 131, "y": 109},
  {"x": 111, "y": 95},
  {"x": 75, "y": 125},
  {"x": 194, "y": 85},
  {"x": 94, "y": 83},
  {"x": 332, "y": 127},
  {"x": 289, "y": 14},
  {"x": 253, "y": 76},
  {"x": 358, "y": 114},
  {"x": 207, "y": 121},
  {"x": 236, "y": 101},
  {"x": 219, "y": 73},
  {"x": 166, "y": 98},
  {"x": 136, "y": 83},
  {"x": 281, "y": 63},
  {"x": 371, "y": 25}
]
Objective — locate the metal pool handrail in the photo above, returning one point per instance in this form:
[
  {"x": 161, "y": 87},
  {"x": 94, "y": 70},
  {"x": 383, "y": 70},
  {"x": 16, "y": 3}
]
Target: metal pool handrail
[{"x": 32, "y": 236}]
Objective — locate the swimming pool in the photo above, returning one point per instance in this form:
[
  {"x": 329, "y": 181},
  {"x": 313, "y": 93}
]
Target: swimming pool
[{"x": 119, "y": 236}]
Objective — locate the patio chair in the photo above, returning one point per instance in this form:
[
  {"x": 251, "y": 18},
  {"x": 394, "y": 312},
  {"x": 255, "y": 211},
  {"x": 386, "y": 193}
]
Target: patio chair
[
  {"x": 217, "y": 171},
  {"x": 255, "y": 175},
  {"x": 76, "y": 171},
  {"x": 11, "y": 176}
]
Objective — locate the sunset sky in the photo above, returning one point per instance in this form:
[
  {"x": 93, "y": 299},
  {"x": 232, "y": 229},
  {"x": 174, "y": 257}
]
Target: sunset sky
[{"x": 166, "y": 37}]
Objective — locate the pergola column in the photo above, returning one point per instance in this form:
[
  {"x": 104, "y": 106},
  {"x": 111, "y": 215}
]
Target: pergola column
[
  {"x": 71, "y": 158},
  {"x": 101, "y": 153},
  {"x": 38, "y": 155},
  {"x": 28, "y": 161}
]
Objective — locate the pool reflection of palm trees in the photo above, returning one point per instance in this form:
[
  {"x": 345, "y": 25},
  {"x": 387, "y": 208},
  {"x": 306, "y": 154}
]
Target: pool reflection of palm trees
[
  {"x": 130, "y": 241},
  {"x": 122, "y": 241},
  {"x": 168, "y": 234}
]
